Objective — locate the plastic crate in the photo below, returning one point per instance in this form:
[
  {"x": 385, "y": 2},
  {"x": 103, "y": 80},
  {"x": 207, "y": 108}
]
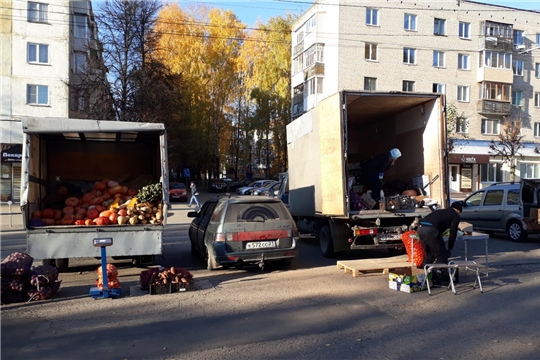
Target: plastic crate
[{"x": 169, "y": 288}]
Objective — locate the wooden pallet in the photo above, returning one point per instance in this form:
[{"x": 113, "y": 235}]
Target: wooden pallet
[{"x": 374, "y": 266}]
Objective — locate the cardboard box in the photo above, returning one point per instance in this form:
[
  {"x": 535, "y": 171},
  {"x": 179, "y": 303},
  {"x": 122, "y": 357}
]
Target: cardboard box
[
  {"x": 409, "y": 280},
  {"x": 534, "y": 213},
  {"x": 466, "y": 227}
]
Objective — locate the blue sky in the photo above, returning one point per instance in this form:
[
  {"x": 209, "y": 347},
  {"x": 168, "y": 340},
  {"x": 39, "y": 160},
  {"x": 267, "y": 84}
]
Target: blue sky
[{"x": 249, "y": 11}]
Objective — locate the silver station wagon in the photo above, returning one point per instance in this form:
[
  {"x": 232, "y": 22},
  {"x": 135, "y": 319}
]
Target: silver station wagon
[
  {"x": 231, "y": 230},
  {"x": 505, "y": 207}
]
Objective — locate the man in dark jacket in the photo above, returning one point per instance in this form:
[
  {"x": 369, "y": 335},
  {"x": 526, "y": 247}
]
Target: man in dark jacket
[
  {"x": 431, "y": 229},
  {"x": 374, "y": 170}
]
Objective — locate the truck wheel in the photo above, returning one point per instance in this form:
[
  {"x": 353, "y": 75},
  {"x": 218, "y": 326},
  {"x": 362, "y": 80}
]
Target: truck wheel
[
  {"x": 61, "y": 264},
  {"x": 515, "y": 231},
  {"x": 325, "y": 242}
]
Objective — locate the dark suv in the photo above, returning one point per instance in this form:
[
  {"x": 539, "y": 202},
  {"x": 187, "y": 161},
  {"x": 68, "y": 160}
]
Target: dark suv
[{"x": 237, "y": 230}]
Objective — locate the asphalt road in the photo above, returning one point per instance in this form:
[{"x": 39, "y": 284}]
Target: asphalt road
[{"x": 310, "y": 310}]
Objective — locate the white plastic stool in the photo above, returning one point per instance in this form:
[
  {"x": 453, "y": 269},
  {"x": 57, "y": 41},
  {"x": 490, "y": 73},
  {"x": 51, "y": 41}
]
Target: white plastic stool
[
  {"x": 468, "y": 265},
  {"x": 429, "y": 268}
]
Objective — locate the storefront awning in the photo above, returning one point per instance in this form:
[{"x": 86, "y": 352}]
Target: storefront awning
[{"x": 468, "y": 159}]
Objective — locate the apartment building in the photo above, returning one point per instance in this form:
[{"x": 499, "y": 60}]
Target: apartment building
[
  {"x": 484, "y": 58},
  {"x": 46, "y": 49}
]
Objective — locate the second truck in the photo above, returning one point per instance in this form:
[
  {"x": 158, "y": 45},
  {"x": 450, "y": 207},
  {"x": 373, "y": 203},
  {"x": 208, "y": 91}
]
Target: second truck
[{"x": 327, "y": 145}]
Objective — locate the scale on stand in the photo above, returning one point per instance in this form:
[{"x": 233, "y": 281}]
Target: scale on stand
[{"x": 95, "y": 291}]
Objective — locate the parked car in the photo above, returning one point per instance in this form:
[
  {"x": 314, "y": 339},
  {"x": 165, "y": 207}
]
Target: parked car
[
  {"x": 246, "y": 190},
  {"x": 177, "y": 191},
  {"x": 502, "y": 207},
  {"x": 218, "y": 185},
  {"x": 262, "y": 189},
  {"x": 273, "y": 191},
  {"x": 238, "y": 230},
  {"x": 236, "y": 185}
]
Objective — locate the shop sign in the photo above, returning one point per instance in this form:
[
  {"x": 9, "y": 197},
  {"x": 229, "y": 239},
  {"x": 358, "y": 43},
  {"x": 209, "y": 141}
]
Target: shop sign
[
  {"x": 11, "y": 153},
  {"x": 468, "y": 159}
]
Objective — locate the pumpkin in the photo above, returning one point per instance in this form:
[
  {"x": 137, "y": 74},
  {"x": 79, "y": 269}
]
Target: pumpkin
[
  {"x": 132, "y": 192},
  {"x": 88, "y": 222},
  {"x": 87, "y": 197},
  {"x": 106, "y": 196},
  {"x": 112, "y": 183},
  {"x": 72, "y": 201},
  {"x": 36, "y": 214},
  {"x": 113, "y": 218},
  {"x": 118, "y": 189},
  {"x": 68, "y": 210},
  {"x": 47, "y": 213},
  {"x": 92, "y": 213},
  {"x": 105, "y": 181},
  {"x": 58, "y": 222},
  {"x": 100, "y": 186},
  {"x": 67, "y": 221},
  {"x": 100, "y": 208},
  {"x": 48, "y": 221},
  {"x": 69, "y": 216},
  {"x": 96, "y": 200},
  {"x": 105, "y": 213},
  {"x": 57, "y": 214},
  {"x": 101, "y": 221},
  {"x": 79, "y": 222},
  {"x": 122, "y": 212}
]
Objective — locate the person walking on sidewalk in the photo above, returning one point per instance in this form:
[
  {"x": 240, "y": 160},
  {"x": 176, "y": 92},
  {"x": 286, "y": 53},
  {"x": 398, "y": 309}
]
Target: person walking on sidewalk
[{"x": 194, "y": 194}]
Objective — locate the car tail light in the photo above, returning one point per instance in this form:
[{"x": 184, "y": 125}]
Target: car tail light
[
  {"x": 288, "y": 253},
  {"x": 364, "y": 232},
  {"x": 220, "y": 237}
]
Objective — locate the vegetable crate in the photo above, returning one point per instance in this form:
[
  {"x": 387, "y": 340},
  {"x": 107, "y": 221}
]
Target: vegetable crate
[{"x": 161, "y": 289}]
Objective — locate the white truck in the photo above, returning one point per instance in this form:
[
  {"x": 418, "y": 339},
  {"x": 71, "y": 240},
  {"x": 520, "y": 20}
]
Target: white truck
[
  {"x": 78, "y": 153},
  {"x": 326, "y": 146}
]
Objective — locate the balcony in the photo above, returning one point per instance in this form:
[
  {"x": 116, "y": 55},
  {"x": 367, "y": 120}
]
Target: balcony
[
  {"x": 298, "y": 48},
  {"x": 317, "y": 69},
  {"x": 493, "y": 107},
  {"x": 501, "y": 44},
  {"x": 496, "y": 75}
]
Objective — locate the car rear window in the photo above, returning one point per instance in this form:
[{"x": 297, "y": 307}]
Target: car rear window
[{"x": 256, "y": 212}]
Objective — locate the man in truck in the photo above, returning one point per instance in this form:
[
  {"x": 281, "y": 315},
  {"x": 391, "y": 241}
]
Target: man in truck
[{"x": 374, "y": 169}]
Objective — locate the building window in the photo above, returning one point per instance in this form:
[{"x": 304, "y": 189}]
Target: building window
[
  {"x": 497, "y": 60},
  {"x": 37, "y": 95},
  {"x": 518, "y": 37},
  {"x": 371, "y": 52},
  {"x": 537, "y": 39},
  {"x": 517, "y": 67},
  {"x": 298, "y": 64},
  {"x": 80, "y": 26},
  {"x": 38, "y": 53},
  {"x": 311, "y": 86},
  {"x": 370, "y": 83},
  {"x": 495, "y": 91},
  {"x": 462, "y": 93},
  {"x": 517, "y": 98},
  {"x": 463, "y": 62},
  {"x": 80, "y": 63},
  {"x": 438, "y": 58},
  {"x": 439, "y": 26},
  {"x": 319, "y": 85},
  {"x": 529, "y": 171},
  {"x": 490, "y": 127},
  {"x": 537, "y": 70},
  {"x": 537, "y": 129},
  {"x": 372, "y": 17},
  {"x": 311, "y": 24},
  {"x": 491, "y": 172},
  {"x": 464, "y": 30},
  {"x": 410, "y": 22},
  {"x": 37, "y": 12},
  {"x": 408, "y": 85},
  {"x": 439, "y": 88},
  {"x": 409, "y": 56},
  {"x": 537, "y": 99},
  {"x": 462, "y": 125}
]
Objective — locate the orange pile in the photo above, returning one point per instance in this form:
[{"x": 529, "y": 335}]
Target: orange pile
[
  {"x": 112, "y": 277},
  {"x": 411, "y": 238}
]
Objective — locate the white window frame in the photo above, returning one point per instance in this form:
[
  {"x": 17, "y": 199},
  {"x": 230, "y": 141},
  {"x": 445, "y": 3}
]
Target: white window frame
[
  {"x": 319, "y": 82},
  {"x": 517, "y": 97},
  {"x": 37, "y": 52},
  {"x": 464, "y": 62},
  {"x": 490, "y": 127},
  {"x": 439, "y": 88},
  {"x": 464, "y": 30},
  {"x": 35, "y": 93},
  {"x": 408, "y": 85},
  {"x": 537, "y": 99},
  {"x": 311, "y": 24},
  {"x": 311, "y": 86},
  {"x": 463, "y": 93},
  {"x": 409, "y": 22},
  {"x": 529, "y": 170},
  {"x": 462, "y": 125},
  {"x": 439, "y": 27},
  {"x": 496, "y": 170},
  {"x": 371, "y": 52},
  {"x": 495, "y": 91},
  {"x": 298, "y": 63},
  {"x": 439, "y": 58},
  {"x": 370, "y": 82},
  {"x": 372, "y": 17},
  {"x": 536, "y": 129},
  {"x": 517, "y": 67},
  {"x": 80, "y": 26},
  {"x": 517, "y": 37},
  {"x": 497, "y": 60},
  {"x": 408, "y": 54},
  {"x": 37, "y": 12}
]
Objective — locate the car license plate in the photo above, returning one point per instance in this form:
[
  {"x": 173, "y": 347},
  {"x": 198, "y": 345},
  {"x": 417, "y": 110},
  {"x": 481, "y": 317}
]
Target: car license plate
[{"x": 260, "y": 244}]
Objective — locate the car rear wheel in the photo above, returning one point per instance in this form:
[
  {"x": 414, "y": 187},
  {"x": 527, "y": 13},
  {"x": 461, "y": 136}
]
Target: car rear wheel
[
  {"x": 515, "y": 231},
  {"x": 325, "y": 242}
]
